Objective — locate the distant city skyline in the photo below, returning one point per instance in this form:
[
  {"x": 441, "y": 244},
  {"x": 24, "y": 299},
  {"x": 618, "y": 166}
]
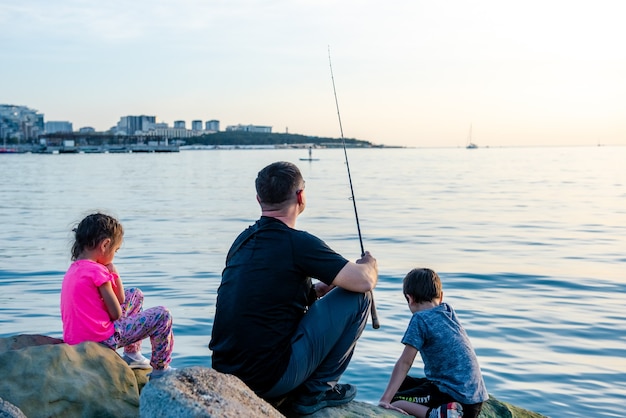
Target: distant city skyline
[
  {"x": 411, "y": 73},
  {"x": 20, "y": 124},
  {"x": 195, "y": 124}
]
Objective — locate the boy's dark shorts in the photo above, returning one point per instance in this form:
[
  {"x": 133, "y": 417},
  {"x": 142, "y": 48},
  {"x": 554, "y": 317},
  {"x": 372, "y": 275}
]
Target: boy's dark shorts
[{"x": 423, "y": 391}]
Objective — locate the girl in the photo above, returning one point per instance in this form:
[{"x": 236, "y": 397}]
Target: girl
[{"x": 95, "y": 307}]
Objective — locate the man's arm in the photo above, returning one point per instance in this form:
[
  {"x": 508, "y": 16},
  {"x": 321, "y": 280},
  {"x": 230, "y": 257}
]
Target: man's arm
[{"x": 361, "y": 276}]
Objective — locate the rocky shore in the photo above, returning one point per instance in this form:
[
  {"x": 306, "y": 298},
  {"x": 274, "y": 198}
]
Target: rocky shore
[{"x": 43, "y": 377}]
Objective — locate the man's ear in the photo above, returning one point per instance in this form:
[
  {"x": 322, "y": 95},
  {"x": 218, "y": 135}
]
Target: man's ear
[{"x": 299, "y": 196}]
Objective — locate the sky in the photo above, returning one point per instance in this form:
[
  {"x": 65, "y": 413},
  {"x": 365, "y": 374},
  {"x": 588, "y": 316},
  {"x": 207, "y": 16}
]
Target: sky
[{"x": 409, "y": 73}]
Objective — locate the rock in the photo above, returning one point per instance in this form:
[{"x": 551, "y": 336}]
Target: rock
[
  {"x": 8, "y": 410},
  {"x": 59, "y": 380},
  {"x": 201, "y": 392},
  {"x": 354, "y": 409},
  {"x": 204, "y": 392},
  {"x": 494, "y": 408},
  {"x": 43, "y": 377},
  {"x": 25, "y": 340}
]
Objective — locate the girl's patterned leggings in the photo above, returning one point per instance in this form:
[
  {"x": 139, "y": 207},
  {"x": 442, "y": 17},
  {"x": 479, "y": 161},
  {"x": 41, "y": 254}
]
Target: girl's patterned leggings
[{"x": 137, "y": 324}]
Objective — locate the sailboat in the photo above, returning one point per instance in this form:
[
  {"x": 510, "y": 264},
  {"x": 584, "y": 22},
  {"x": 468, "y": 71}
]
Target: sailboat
[
  {"x": 470, "y": 144},
  {"x": 310, "y": 156}
]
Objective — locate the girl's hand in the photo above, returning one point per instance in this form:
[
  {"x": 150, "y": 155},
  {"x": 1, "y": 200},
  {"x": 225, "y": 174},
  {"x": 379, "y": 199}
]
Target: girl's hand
[
  {"x": 117, "y": 285},
  {"x": 387, "y": 405},
  {"x": 112, "y": 269}
]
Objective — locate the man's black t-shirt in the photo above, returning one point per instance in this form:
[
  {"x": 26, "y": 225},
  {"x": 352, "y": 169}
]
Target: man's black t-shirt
[{"x": 264, "y": 293}]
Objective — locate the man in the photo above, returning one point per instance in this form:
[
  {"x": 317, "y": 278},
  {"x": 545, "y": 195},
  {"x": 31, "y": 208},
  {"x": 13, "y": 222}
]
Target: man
[{"x": 275, "y": 329}]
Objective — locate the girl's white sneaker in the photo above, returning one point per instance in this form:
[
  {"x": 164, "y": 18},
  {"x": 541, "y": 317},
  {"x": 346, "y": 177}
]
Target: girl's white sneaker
[
  {"x": 158, "y": 373},
  {"x": 136, "y": 361}
]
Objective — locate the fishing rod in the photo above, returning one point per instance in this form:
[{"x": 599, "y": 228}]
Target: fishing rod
[{"x": 375, "y": 323}]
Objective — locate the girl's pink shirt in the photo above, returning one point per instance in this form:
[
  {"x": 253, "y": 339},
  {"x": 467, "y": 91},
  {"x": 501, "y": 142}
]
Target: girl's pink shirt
[{"x": 83, "y": 312}]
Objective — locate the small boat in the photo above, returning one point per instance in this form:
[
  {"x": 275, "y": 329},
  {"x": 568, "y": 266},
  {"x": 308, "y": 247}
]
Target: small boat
[
  {"x": 5, "y": 150},
  {"x": 310, "y": 156},
  {"x": 470, "y": 144}
]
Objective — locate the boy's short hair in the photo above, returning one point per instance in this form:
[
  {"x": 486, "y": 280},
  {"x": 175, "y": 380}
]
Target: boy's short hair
[{"x": 422, "y": 284}]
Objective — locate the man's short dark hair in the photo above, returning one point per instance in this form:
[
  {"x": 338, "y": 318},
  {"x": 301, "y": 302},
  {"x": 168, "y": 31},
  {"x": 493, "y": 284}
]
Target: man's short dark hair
[{"x": 277, "y": 182}]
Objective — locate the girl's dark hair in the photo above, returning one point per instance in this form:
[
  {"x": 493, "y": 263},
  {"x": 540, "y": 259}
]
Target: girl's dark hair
[
  {"x": 422, "y": 284},
  {"x": 92, "y": 230},
  {"x": 276, "y": 182}
]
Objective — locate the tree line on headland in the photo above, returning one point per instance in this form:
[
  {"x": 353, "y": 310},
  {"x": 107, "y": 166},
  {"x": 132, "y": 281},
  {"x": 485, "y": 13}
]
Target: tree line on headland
[
  {"x": 234, "y": 138},
  {"x": 217, "y": 139},
  {"x": 77, "y": 142}
]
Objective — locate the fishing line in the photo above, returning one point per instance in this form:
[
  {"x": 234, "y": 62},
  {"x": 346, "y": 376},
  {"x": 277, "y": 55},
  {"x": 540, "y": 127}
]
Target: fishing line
[{"x": 375, "y": 323}]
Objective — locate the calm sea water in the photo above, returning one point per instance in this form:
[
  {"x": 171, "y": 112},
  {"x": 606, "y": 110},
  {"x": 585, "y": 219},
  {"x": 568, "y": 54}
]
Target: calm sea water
[{"x": 530, "y": 244}]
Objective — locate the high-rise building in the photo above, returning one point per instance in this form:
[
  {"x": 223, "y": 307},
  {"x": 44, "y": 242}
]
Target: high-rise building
[
  {"x": 20, "y": 123},
  {"x": 180, "y": 124},
  {"x": 250, "y": 128},
  {"x": 132, "y": 125},
  {"x": 212, "y": 125},
  {"x": 53, "y": 127},
  {"x": 196, "y": 125}
]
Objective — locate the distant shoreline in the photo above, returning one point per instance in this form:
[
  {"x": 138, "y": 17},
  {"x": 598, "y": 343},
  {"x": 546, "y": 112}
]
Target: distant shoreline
[{"x": 83, "y": 143}]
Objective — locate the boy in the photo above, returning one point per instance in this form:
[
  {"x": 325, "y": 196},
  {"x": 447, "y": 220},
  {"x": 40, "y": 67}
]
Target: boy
[{"x": 453, "y": 386}]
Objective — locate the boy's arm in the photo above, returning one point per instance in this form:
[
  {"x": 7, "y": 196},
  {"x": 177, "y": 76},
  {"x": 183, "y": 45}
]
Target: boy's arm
[
  {"x": 400, "y": 371},
  {"x": 110, "y": 301}
]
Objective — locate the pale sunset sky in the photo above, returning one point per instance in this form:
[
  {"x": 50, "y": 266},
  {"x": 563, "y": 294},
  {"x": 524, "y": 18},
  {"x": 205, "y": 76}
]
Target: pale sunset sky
[{"x": 407, "y": 72}]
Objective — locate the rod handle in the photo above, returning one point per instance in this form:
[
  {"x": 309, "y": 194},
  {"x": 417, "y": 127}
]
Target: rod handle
[{"x": 375, "y": 323}]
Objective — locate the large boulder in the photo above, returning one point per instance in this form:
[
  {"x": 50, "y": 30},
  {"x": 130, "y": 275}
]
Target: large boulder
[
  {"x": 201, "y": 392},
  {"x": 494, "y": 408},
  {"x": 491, "y": 409},
  {"x": 26, "y": 340},
  {"x": 354, "y": 409},
  {"x": 59, "y": 380},
  {"x": 42, "y": 377}
]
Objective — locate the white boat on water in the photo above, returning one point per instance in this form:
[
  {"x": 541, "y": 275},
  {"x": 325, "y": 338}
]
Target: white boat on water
[{"x": 470, "y": 143}]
